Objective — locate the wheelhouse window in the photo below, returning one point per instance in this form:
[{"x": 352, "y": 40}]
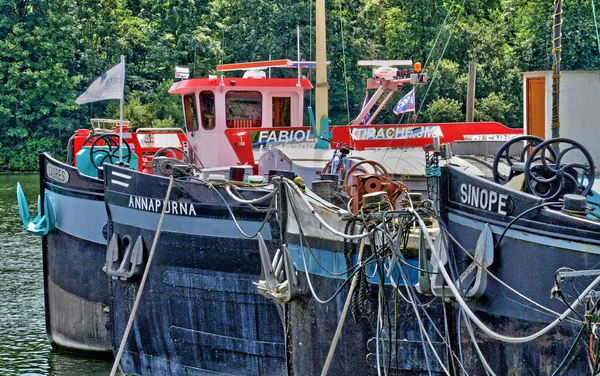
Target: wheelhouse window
[
  {"x": 207, "y": 109},
  {"x": 282, "y": 111},
  {"x": 189, "y": 108},
  {"x": 244, "y": 109}
]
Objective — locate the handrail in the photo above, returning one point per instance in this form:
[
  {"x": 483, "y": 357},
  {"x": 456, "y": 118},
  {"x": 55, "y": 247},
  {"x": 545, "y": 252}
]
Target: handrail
[{"x": 178, "y": 130}]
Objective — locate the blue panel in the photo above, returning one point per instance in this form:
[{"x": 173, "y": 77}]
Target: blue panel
[
  {"x": 85, "y": 166},
  {"x": 324, "y": 262}
]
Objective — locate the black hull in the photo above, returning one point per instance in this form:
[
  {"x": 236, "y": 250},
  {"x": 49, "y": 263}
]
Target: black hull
[
  {"x": 200, "y": 312},
  {"x": 527, "y": 259},
  {"x": 75, "y": 287},
  {"x": 311, "y": 325},
  {"x": 311, "y": 328}
]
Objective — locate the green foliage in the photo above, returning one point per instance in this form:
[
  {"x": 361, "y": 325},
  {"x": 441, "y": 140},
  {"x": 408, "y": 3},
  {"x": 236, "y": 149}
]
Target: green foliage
[
  {"x": 24, "y": 156},
  {"x": 50, "y": 51},
  {"x": 492, "y": 108},
  {"x": 444, "y": 110}
]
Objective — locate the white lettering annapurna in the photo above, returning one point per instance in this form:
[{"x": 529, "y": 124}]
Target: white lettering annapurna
[{"x": 155, "y": 205}]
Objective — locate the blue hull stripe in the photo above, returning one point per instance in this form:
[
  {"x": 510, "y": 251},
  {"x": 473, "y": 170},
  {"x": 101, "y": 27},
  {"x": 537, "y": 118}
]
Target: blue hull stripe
[
  {"x": 187, "y": 225},
  {"x": 81, "y": 218},
  {"x": 527, "y": 237},
  {"x": 336, "y": 263}
]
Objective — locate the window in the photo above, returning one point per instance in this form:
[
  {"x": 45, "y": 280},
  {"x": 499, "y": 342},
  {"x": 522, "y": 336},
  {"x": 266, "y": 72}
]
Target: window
[
  {"x": 244, "y": 109},
  {"x": 282, "y": 111},
  {"x": 189, "y": 107},
  {"x": 207, "y": 109}
]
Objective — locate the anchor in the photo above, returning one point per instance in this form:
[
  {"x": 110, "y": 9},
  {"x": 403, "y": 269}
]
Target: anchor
[
  {"x": 424, "y": 284},
  {"x": 431, "y": 281},
  {"x": 484, "y": 256},
  {"x": 131, "y": 264},
  {"x": 278, "y": 280},
  {"x": 42, "y": 224},
  {"x": 436, "y": 278}
]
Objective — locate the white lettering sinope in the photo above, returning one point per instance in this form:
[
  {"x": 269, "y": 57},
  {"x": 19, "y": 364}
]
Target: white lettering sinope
[
  {"x": 155, "y": 205},
  {"x": 478, "y": 197}
]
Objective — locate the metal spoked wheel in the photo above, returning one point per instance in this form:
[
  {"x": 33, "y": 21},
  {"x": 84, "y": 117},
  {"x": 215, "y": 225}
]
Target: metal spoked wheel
[
  {"x": 504, "y": 152},
  {"x": 174, "y": 153},
  {"x": 105, "y": 148},
  {"x": 378, "y": 169},
  {"x": 549, "y": 174}
]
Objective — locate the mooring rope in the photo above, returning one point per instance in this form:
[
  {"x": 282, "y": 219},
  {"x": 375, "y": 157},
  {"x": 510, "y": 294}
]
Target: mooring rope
[
  {"x": 476, "y": 320},
  {"x": 338, "y": 330},
  {"x": 143, "y": 282}
]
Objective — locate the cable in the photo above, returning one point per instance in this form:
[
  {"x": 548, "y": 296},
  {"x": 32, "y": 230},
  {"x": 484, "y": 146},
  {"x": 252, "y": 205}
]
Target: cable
[
  {"x": 410, "y": 289},
  {"x": 338, "y": 330},
  {"x": 502, "y": 283},
  {"x": 301, "y": 236},
  {"x": 303, "y": 198},
  {"x": 441, "y": 56},
  {"x": 521, "y": 215},
  {"x": 412, "y": 300},
  {"x": 478, "y": 322},
  {"x": 248, "y": 202},
  {"x": 570, "y": 354},
  {"x": 143, "y": 281},
  {"x": 262, "y": 225},
  {"x": 486, "y": 366}
]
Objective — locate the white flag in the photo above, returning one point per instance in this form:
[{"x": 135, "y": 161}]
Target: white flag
[{"x": 108, "y": 86}]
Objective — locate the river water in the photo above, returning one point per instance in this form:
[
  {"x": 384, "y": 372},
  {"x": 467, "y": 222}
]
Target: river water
[{"x": 24, "y": 347}]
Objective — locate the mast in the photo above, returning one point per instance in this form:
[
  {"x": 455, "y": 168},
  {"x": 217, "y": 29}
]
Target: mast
[
  {"x": 321, "y": 86},
  {"x": 556, "y": 49}
]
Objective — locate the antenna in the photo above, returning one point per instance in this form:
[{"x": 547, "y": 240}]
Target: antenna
[{"x": 298, "y": 47}]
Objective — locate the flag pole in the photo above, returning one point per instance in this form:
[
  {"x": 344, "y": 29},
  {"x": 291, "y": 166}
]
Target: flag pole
[{"x": 121, "y": 113}]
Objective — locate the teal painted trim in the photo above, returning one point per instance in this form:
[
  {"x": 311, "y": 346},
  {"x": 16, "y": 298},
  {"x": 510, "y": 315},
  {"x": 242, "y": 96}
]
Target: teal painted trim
[
  {"x": 84, "y": 162},
  {"x": 335, "y": 262},
  {"x": 325, "y": 135},
  {"x": 311, "y": 116},
  {"x": 42, "y": 224}
]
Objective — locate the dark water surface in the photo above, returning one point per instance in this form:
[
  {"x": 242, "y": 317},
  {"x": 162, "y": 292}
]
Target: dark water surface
[{"x": 24, "y": 347}]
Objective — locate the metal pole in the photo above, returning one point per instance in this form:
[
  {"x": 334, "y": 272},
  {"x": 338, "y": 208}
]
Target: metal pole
[
  {"x": 121, "y": 113},
  {"x": 471, "y": 91},
  {"x": 298, "y": 49},
  {"x": 556, "y": 58},
  {"x": 321, "y": 86}
]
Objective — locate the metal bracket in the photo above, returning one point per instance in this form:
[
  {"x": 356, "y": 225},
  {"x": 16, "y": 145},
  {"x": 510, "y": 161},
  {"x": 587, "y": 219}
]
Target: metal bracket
[
  {"x": 424, "y": 285},
  {"x": 131, "y": 264},
  {"x": 437, "y": 279},
  {"x": 278, "y": 280},
  {"x": 578, "y": 273},
  {"x": 594, "y": 295}
]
